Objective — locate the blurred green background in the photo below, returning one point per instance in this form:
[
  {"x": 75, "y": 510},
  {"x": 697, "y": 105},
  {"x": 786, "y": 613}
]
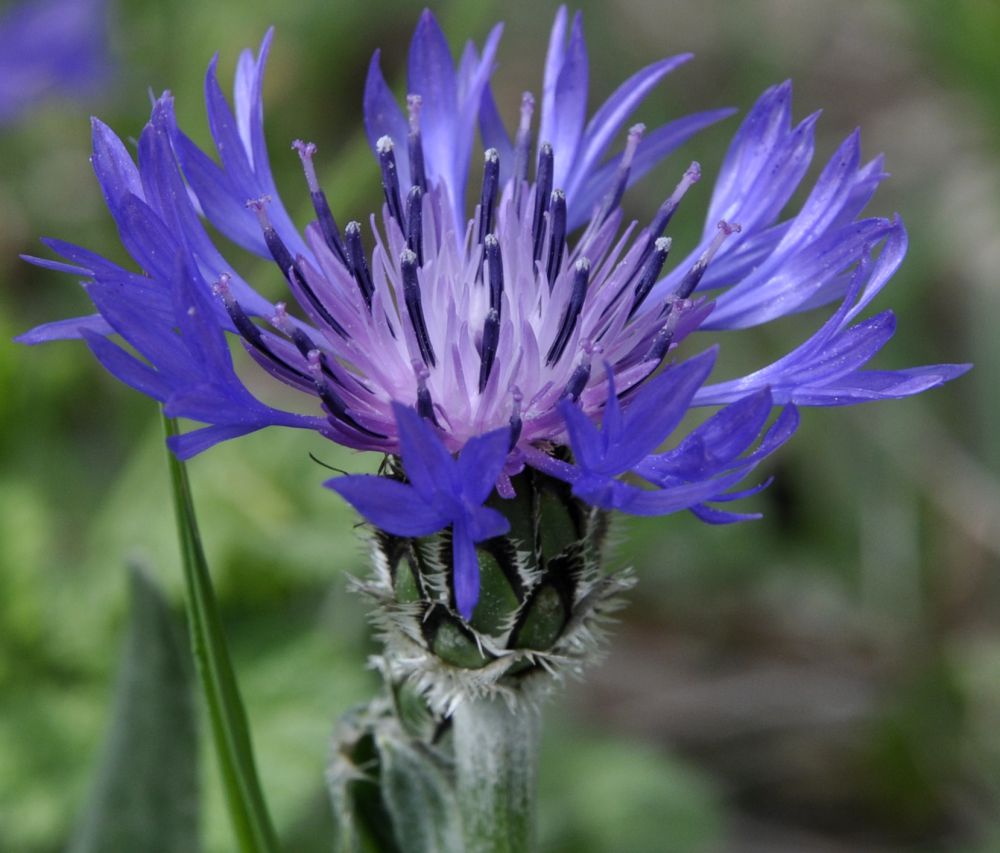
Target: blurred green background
[{"x": 827, "y": 679}]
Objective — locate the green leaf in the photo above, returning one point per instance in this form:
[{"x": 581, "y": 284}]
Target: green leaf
[
  {"x": 418, "y": 790},
  {"x": 145, "y": 796},
  {"x": 230, "y": 730}
]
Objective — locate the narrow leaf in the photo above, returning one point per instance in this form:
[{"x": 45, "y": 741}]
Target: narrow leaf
[
  {"x": 230, "y": 730},
  {"x": 145, "y": 795}
]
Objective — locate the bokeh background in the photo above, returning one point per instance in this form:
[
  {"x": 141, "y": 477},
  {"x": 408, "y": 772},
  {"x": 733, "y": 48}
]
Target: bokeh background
[{"x": 827, "y": 679}]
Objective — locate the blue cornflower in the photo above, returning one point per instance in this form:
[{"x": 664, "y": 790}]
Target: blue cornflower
[
  {"x": 506, "y": 335},
  {"x": 51, "y": 47}
]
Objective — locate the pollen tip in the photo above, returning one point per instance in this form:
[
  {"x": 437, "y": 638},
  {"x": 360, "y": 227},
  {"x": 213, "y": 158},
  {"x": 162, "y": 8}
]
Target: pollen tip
[
  {"x": 491, "y": 241},
  {"x": 408, "y": 256},
  {"x": 491, "y": 155},
  {"x": 527, "y": 101},
  {"x": 558, "y": 195},
  {"x": 315, "y": 359},
  {"x": 728, "y": 228},
  {"x": 306, "y": 149},
  {"x": 353, "y": 227},
  {"x": 582, "y": 265},
  {"x": 693, "y": 172},
  {"x": 220, "y": 287},
  {"x": 384, "y": 144},
  {"x": 258, "y": 204},
  {"x": 663, "y": 244},
  {"x": 637, "y": 130}
]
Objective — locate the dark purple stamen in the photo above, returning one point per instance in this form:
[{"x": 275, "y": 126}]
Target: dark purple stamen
[
  {"x": 425, "y": 404},
  {"x": 694, "y": 276},
  {"x": 488, "y": 350},
  {"x": 557, "y": 235},
  {"x": 415, "y": 223},
  {"x": 660, "y": 344},
  {"x": 572, "y": 313},
  {"x": 358, "y": 265},
  {"x": 516, "y": 424},
  {"x": 289, "y": 266},
  {"x": 248, "y": 329},
  {"x": 390, "y": 178},
  {"x": 543, "y": 187},
  {"x": 577, "y": 381},
  {"x": 411, "y": 296},
  {"x": 667, "y": 210},
  {"x": 324, "y": 216},
  {"x": 620, "y": 181},
  {"x": 650, "y": 273},
  {"x": 414, "y": 144},
  {"x": 494, "y": 268},
  {"x": 335, "y": 406},
  {"x": 487, "y": 198},
  {"x": 522, "y": 147}
]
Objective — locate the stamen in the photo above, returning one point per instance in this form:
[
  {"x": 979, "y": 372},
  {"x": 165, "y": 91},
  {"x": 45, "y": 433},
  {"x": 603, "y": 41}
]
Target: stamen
[
  {"x": 494, "y": 267},
  {"x": 650, "y": 273},
  {"x": 336, "y": 407},
  {"x": 411, "y": 296},
  {"x": 415, "y": 223},
  {"x": 690, "y": 281},
  {"x": 247, "y": 328},
  {"x": 660, "y": 346},
  {"x": 425, "y": 405},
  {"x": 491, "y": 179},
  {"x": 390, "y": 178},
  {"x": 358, "y": 264},
  {"x": 557, "y": 232},
  {"x": 516, "y": 425},
  {"x": 522, "y": 147},
  {"x": 280, "y": 321},
  {"x": 275, "y": 245},
  {"x": 667, "y": 210},
  {"x": 578, "y": 380},
  {"x": 572, "y": 312},
  {"x": 543, "y": 186},
  {"x": 414, "y": 144},
  {"x": 618, "y": 186},
  {"x": 290, "y": 267},
  {"x": 324, "y": 216},
  {"x": 491, "y": 338}
]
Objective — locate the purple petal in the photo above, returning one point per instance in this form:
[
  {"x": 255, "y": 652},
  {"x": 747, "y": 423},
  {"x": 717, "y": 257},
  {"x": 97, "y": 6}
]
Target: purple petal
[
  {"x": 389, "y": 505},
  {"x": 466, "y": 569},
  {"x": 383, "y": 117}
]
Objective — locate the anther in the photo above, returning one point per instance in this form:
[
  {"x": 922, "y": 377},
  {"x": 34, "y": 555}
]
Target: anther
[
  {"x": 618, "y": 186},
  {"x": 557, "y": 235},
  {"x": 578, "y": 380},
  {"x": 324, "y": 216},
  {"x": 667, "y": 210},
  {"x": 487, "y": 199},
  {"x": 491, "y": 339},
  {"x": 358, "y": 264},
  {"x": 660, "y": 345},
  {"x": 690, "y": 281},
  {"x": 415, "y": 222},
  {"x": 581, "y": 272},
  {"x": 543, "y": 186},
  {"x": 516, "y": 424},
  {"x": 650, "y": 273},
  {"x": 414, "y": 144},
  {"x": 425, "y": 404},
  {"x": 275, "y": 245},
  {"x": 522, "y": 147},
  {"x": 494, "y": 268},
  {"x": 246, "y": 327},
  {"x": 411, "y": 296},
  {"x": 390, "y": 178},
  {"x": 335, "y": 405}
]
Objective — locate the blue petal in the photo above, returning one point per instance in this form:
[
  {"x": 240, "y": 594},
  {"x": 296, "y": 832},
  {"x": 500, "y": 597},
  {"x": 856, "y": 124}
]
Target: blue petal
[
  {"x": 466, "y": 569},
  {"x": 480, "y": 463},
  {"x": 383, "y": 116},
  {"x": 389, "y": 505},
  {"x": 426, "y": 460}
]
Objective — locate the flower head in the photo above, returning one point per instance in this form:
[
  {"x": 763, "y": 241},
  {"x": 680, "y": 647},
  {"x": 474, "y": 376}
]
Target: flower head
[{"x": 509, "y": 331}]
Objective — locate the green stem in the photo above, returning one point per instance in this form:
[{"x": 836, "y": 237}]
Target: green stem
[
  {"x": 230, "y": 729},
  {"x": 496, "y": 757}
]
